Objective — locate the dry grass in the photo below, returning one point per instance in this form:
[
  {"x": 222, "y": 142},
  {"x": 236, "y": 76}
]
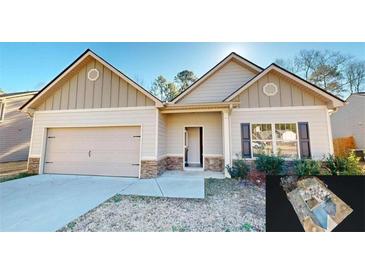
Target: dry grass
[{"x": 228, "y": 206}]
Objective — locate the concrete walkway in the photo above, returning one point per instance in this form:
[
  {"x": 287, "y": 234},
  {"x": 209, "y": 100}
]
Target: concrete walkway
[{"x": 48, "y": 202}]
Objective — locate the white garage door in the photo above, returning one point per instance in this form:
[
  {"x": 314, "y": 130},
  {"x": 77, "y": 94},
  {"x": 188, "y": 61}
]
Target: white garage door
[{"x": 110, "y": 151}]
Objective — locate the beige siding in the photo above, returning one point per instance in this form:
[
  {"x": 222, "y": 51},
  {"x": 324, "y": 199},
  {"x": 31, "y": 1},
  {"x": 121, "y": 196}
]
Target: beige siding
[
  {"x": 350, "y": 120},
  {"x": 221, "y": 84},
  {"x": 78, "y": 92},
  {"x": 316, "y": 118},
  {"x": 212, "y": 131},
  {"x": 161, "y": 134},
  {"x": 15, "y": 131},
  {"x": 290, "y": 94},
  {"x": 109, "y": 117}
]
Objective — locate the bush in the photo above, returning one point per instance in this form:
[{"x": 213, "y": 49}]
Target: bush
[
  {"x": 270, "y": 164},
  {"x": 239, "y": 169},
  {"x": 307, "y": 167},
  {"x": 338, "y": 165}
]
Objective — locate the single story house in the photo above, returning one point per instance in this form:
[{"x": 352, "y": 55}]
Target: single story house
[
  {"x": 92, "y": 119},
  {"x": 350, "y": 120},
  {"x": 15, "y": 127}
]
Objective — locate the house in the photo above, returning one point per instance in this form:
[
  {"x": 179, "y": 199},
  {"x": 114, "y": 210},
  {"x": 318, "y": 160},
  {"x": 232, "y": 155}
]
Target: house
[
  {"x": 92, "y": 119},
  {"x": 15, "y": 127},
  {"x": 350, "y": 120}
]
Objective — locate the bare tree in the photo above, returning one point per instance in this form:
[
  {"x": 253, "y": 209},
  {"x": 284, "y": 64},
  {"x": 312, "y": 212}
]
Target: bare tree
[
  {"x": 333, "y": 71},
  {"x": 355, "y": 75}
]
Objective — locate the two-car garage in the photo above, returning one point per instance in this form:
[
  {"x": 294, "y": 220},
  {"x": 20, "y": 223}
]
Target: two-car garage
[{"x": 108, "y": 151}]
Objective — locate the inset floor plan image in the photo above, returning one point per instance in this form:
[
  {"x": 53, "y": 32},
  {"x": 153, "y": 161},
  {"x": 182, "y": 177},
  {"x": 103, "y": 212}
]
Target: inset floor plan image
[{"x": 317, "y": 207}]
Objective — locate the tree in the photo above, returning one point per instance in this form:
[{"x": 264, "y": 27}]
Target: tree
[
  {"x": 2, "y": 91},
  {"x": 184, "y": 79},
  {"x": 333, "y": 71},
  {"x": 164, "y": 89},
  {"x": 355, "y": 74}
]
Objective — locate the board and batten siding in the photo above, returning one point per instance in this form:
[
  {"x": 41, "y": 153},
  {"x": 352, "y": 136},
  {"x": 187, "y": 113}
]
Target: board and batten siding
[
  {"x": 146, "y": 117},
  {"x": 219, "y": 85},
  {"x": 317, "y": 118},
  {"x": 289, "y": 94},
  {"x": 108, "y": 91},
  {"x": 212, "y": 132},
  {"x": 15, "y": 130}
]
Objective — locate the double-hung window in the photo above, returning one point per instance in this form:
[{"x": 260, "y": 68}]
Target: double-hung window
[{"x": 276, "y": 138}]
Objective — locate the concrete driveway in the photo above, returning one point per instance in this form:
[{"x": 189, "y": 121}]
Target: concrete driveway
[{"x": 48, "y": 202}]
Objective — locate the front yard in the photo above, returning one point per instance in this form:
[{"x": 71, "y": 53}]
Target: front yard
[{"x": 228, "y": 206}]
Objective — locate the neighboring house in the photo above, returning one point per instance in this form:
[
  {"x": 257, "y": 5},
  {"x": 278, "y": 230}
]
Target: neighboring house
[
  {"x": 350, "y": 120},
  {"x": 15, "y": 127},
  {"x": 94, "y": 120}
]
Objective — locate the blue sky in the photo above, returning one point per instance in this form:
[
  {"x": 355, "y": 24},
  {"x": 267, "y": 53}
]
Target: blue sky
[{"x": 29, "y": 66}]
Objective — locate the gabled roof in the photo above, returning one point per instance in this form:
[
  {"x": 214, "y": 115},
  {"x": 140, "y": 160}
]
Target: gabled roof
[
  {"x": 17, "y": 94},
  {"x": 83, "y": 56},
  {"x": 337, "y": 100},
  {"x": 231, "y": 56}
]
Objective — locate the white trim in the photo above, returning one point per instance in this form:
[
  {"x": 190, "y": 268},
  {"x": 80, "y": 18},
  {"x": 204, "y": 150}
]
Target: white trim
[
  {"x": 273, "y": 140},
  {"x": 226, "y": 140},
  {"x": 183, "y": 143},
  {"x": 296, "y": 79},
  {"x": 2, "y": 108},
  {"x": 329, "y": 130},
  {"x": 31, "y": 137},
  {"x": 149, "y": 158},
  {"x": 213, "y": 155},
  {"x": 95, "y": 109},
  {"x": 156, "y": 133},
  {"x": 280, "y": 108},
  {"x": 197, "y": 109},
  {"x": 214, "y": 70}
]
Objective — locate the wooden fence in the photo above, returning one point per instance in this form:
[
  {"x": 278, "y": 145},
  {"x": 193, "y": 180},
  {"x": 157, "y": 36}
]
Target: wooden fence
[{"x": 342, "y": 146}]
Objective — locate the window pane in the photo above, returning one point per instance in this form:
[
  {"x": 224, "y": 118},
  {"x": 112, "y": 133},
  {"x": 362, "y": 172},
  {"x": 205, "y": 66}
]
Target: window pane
[
  {"x": 261, "y": 132},
  {"x": 260, "y": 147},
  {"x": 286, "y": 132},
  {"x": 287, "y": 149}
]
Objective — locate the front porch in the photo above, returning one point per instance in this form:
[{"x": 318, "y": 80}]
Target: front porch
[{"x": 191, "y": 138}]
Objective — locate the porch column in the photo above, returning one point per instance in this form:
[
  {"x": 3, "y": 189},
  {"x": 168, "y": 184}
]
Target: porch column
[{"x": 226, "y": 141}]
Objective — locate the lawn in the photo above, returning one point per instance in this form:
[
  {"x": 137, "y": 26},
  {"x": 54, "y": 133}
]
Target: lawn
[
  {"x": 228, "y": 206},
  {"x": 6, "y": 178}
]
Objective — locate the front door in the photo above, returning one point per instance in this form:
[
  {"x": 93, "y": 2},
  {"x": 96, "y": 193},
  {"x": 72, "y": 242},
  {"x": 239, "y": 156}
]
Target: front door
[{"x": 193, "y": 147}]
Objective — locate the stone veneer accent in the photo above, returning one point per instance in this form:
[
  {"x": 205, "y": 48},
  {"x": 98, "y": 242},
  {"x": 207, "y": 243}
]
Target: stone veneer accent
[
  {"x": 148, "y": 169},
  {"x": 174, "y": 163},
  {"x": 152, "y": 168},
  {"x": 161, "y": 166},
  {"x": 33, "y": 165},
  {"x": 214, "y": 163}
]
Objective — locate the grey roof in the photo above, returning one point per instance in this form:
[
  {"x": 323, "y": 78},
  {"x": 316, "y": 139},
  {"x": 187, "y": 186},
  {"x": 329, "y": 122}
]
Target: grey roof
[{"x": 16, "y": 93}]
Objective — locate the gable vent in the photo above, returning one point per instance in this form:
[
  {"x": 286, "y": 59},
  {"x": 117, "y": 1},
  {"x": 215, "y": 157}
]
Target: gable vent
[
  {"x": 270, "y": 89},
  {"x": 93, "y": 74}
]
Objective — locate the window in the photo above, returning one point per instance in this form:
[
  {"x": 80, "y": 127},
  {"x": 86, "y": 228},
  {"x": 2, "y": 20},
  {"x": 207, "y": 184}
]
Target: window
[
  {"x": 262, "y": 142},
  {"x": 2, "y": 111},
  {"x": 286, "y": 140},
  {"x": 279, "y": 139}
]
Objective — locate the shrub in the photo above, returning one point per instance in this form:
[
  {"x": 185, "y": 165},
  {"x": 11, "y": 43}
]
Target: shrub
[
  {"x": 238, "y": 170},
  {"x": 307, "y": 167},
  {"x": 270, "y": 164},
  {"x": 338, "y": 165}
]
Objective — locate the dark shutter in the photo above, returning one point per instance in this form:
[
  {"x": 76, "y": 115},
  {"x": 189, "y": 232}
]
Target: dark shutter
[
  {"x": 304, "y": 142},
  {"x": 246, "y": 140}
]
